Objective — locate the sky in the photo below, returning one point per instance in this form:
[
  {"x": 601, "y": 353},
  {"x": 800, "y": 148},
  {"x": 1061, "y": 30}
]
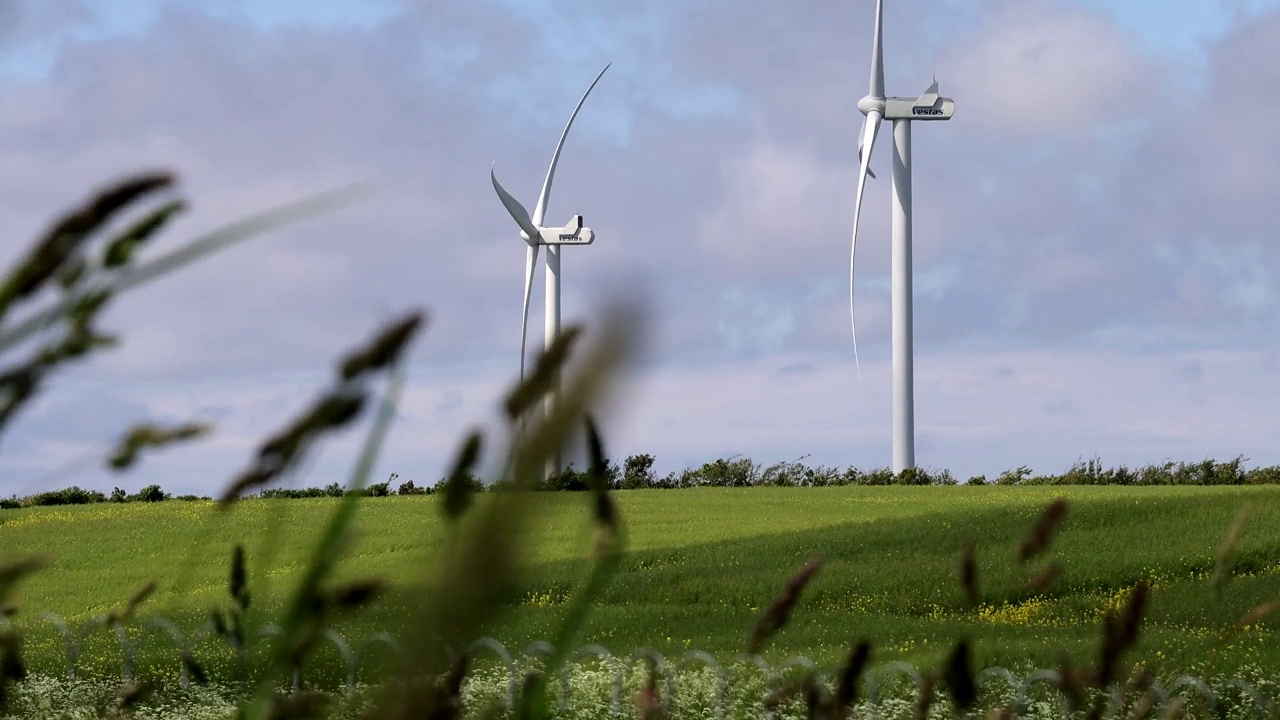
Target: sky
[{"x": 1094, "y": 247}]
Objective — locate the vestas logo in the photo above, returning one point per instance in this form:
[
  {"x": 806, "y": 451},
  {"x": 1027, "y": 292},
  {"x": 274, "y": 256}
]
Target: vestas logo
[
  {"x": 568, "y": 238},
  {"x": 926, "y": 111}
]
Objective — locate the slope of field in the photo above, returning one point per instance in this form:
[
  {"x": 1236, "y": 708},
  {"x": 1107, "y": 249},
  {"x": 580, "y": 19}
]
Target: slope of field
[{"x": 702, "y": 564}]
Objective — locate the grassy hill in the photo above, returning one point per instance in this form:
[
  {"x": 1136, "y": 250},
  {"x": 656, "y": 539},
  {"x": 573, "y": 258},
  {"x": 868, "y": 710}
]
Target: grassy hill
[{"x": 702, "y": 564}]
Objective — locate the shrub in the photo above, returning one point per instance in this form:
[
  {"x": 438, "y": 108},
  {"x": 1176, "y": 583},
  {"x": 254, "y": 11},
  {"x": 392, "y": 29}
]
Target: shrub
[
  {"x": 472, "y": 483},
  {"x": 577, "y": 481},
  {"x": 1123, "y": 476},
  {"x": 1269, "y": 475},
  {"x": 1088, "y": 472},
  {"x": 68, "y": 496},
  {"x": 1156, "y": 474},
  {"x": 796, "y": 474},
  {"x": 941, "y": 477},
  {"x": 119, "y": 496},
  {"x": 408, "y": 488},
  {"x": 739, "y": 472},
  {"x": 1014, "y": 477},
  {"x": 910, "y": 476},
  {"x": 151, "y": 493},
  {"x": 291, "y": 493},
  {"x": 567, "y": 479},
  {"x": 637, "y": 472},
  {"x": 879, "y": 476},
  {"x": 612, "y": 475}
]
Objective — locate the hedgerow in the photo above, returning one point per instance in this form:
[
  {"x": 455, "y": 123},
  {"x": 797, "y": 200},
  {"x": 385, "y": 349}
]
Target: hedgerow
[{"x": 637, "y": 473}]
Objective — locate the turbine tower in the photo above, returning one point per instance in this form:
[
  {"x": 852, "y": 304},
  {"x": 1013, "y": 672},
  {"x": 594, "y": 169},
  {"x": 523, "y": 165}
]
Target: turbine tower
[
  {"x": 535, "y": 234},
  {"x": 902, "y": 111}
]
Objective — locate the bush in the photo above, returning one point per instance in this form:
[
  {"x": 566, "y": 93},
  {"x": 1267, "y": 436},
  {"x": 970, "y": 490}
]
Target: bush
[
  {"x": 782, "y": 475},
  {"x": 637, "y": 472},
  {"x": 567, "y": 479},
  {"x": 151, "y": 493},
  {"x": 473, "y": 483},
  {"x": 119, "y": 496},
  {"x": 612, "y": 475},
  {"x": 292, "y": 493},
  {"x": 68, "y": 496},
  {"x": 1263, "y": 476},
  {"x": 1014, "y": 477},
  {"x": 879, "y": 476},
  {"x": 408, "y": 488},
  {"x": 739, "y": 472},
  {"x": 940, "y": 477}
]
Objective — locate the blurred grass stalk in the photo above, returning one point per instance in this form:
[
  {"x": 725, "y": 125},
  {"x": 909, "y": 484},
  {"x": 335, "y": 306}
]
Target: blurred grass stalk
[
  {"x": 56, "y": 260},
  {"x": 478, "y": 561}
]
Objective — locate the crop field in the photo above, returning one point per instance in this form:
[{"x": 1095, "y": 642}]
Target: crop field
[{"x": 702, "y": 565}]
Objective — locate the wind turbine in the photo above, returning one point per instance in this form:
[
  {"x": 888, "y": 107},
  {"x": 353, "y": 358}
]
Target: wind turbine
[
  {"x": 902, "y": 111},
  {"x": 535, "y": 234}
]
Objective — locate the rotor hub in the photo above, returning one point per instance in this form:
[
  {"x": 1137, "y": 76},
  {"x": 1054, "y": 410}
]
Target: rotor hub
[{"x": 869, "y": 103}]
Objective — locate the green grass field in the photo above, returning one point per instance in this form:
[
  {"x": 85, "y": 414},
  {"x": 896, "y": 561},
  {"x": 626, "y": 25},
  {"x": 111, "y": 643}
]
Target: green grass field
[{"x": 702, "y": 564}]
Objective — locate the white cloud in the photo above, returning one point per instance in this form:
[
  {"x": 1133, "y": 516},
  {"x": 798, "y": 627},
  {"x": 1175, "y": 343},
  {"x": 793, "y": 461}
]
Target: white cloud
[{"x": 1040, "y": 68}]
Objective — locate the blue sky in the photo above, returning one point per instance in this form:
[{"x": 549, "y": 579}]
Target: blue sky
[{"x": 1095, "y": 271}]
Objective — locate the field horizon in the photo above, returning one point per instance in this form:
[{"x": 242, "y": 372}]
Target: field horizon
[{"x": 702, "y": 564}]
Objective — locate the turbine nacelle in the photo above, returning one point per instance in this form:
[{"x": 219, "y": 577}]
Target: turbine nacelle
[
  {"x": 912, "y": 109},
  {"x": 573, "y": 233},
  {"x": 929, "y": 106}
]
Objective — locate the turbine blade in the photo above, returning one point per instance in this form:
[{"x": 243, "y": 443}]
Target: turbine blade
[
  {"x": 869, "y": 131},
  {"x": 877, "y": 54},
  {"x": 860, "y": 134},
  {"x": 530, "y": 265},
  {"x": 540, "y": 210},
  {"x": 517, "y": 210}
]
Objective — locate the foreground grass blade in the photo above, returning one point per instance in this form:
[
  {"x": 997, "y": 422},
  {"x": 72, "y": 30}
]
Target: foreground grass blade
[
  {"x": 607, "y": 551},
  {"x": 217, "y": 240},
  {"x": 326, "y": 552},
  {"x": 57, "y": 251},
  {"x": 477, "y": 562},
  {"x": 1224, "y": 563},
  {"x": 779, "y": 611},
  {"x": 1037, "y": 540}
]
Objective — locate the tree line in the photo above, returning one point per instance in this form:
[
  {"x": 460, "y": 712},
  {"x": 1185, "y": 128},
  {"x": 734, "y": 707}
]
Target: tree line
[{"x": 637, "y": 473}]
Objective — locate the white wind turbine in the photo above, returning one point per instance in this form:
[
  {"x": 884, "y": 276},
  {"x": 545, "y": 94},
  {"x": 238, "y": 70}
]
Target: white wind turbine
[
  {"x": 535, "y": 234},
  {"x": 902, "y": 111}
]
